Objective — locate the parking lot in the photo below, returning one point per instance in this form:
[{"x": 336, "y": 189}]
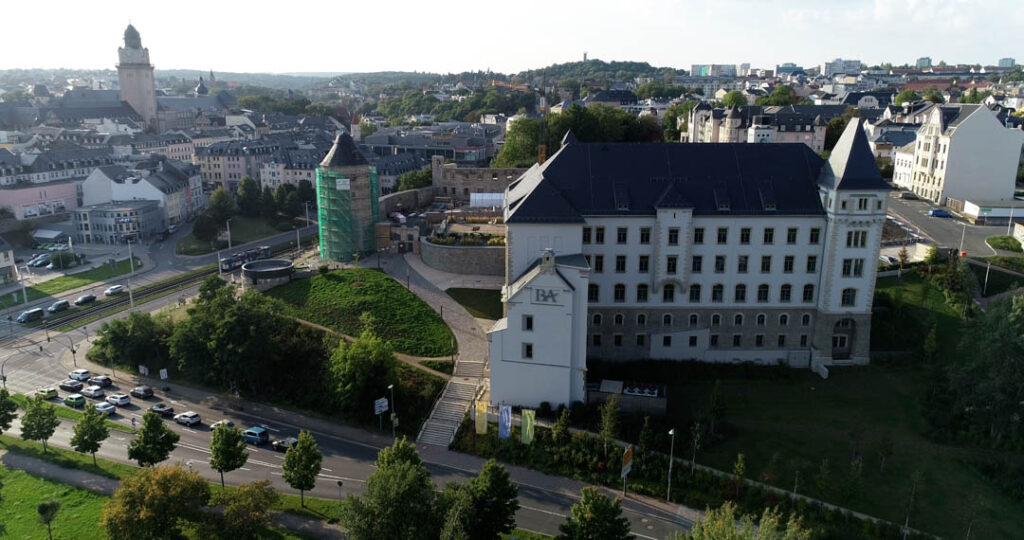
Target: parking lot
[{"x": 944, "y": 232}]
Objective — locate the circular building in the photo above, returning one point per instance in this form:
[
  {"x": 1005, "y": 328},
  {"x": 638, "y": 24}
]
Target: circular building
[{"x": 266, "y": 273}]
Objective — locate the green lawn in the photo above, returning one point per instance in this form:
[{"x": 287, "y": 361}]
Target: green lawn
[
  {"x": 523, "y": 534},
  {"x": 79, "y": 513},
  {"x": 480, "y": 303},
  {"x": 1012, "y": 263},
  {"x": 905, "y": 309},
  {"x": 444, "y": 366},
  {"x": 338, "y": 299},
  {"x": 72, "y": 281},
  {"x": 63, "y": 411},
  {"x": 243, "y": 230},
  {"x": 1005, "y": 242}
]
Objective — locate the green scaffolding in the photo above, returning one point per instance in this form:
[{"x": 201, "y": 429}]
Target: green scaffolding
[{"x": 343, "y": 233}]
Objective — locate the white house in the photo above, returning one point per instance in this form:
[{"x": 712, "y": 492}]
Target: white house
[
  {"x": 177, "y": 187},
  {"x": 721, "y": 253}
]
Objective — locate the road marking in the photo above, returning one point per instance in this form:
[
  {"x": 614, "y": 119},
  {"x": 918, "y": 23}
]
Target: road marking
[
  {"x": 326, "y": 469},
  {"x": 264, "y": 426},
  {"x": 245, "y": 469},
  {"x": 263, "y": 463}
]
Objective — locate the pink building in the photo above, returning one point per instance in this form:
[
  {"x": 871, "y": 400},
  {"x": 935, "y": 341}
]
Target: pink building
[{"x": 36, "y": 200}]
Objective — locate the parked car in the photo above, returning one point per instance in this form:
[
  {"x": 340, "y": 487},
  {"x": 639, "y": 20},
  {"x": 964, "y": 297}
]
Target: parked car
[
  {"x": 938, "y": 212},
  {"x": 84, "y": 299},
  {"x": 33, "y": 314},
  {"x": 75, "y": 400},
  {"x": 80, "y": 375},
  {"x": 119, "y": 399},
  {"x": 59, "y": 305},
  {"x": 282, "y": 445},
  {"x": 142, "y": 392},
  {"x": 220, "y": 423},
  {"x": 256, "y": 435},
  {"x": 163, "y": 409},
  {"x": 114, "y": 290},
  {"x": 101, "y": 380},
  {"x": 908, "y": 195},
  {"x": 888, "y": 259},
  {"x": 92, "y": 391},
  {"x": 41, "y": 260},
  {"x": 71, "y": 385},
  {"x": 47, "y": 393},
  {"x": 188, "y": 418},
  {"x": 105, "y": 408}
]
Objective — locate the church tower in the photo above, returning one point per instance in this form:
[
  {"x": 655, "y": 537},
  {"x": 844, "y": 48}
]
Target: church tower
[{"x": 135, "y": 74}]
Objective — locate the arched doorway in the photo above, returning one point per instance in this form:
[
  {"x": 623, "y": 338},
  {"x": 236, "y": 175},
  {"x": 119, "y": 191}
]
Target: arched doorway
[{"x": 842, "y": 339}]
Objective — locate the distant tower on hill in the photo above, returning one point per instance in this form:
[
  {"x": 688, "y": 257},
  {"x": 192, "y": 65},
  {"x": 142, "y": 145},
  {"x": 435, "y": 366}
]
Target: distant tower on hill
[
  {"x": 584, "y": 56},
  {"x": 213, "y": 80},
  {"x": 135, "y": 74}
]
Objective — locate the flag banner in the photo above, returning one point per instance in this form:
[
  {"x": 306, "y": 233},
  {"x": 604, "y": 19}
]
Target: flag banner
[
  {"x": 504, "y": 421},
  {"x": 528, "y": 418},
  {"x": 481, "y": 417}
]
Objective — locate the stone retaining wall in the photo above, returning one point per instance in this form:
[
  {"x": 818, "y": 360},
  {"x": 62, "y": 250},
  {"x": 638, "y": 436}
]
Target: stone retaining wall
[{"x": 479, "y": 260}]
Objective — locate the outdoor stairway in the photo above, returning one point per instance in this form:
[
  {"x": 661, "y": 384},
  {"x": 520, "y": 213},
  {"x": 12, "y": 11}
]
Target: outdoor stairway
[
  {"x": 473, "y": 370},
  {"x": 444, "y": 420}
]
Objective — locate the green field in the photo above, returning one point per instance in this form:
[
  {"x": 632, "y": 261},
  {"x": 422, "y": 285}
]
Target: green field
[
  {"x": 480, "y": 303},
  {"x": 79, "y": 511},
  {"x": 72, "y": 281},
  {"x": 338, "y": 299},
  {"x": 444, "y": 366},
  {"x": 243, "y": 230},
  {"x": 1004, "y": 242}
]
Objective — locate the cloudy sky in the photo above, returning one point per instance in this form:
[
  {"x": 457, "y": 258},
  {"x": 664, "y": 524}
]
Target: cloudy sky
[{"x": 457, "y": 35}]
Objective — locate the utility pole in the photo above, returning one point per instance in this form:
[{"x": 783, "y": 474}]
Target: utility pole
[
  {"x": 394, "y": 411},
  {"x": 131, "y": 265},
  {"x": 671, "y": 458},
  {"x": 229, "y": 232},
  {"x": 962, "y": 235},
  {"x": 906, "y": 522}
]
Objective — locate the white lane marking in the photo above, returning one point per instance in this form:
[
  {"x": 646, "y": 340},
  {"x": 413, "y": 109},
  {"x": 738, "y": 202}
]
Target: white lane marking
[
  {"x": 194, "y": 447},
  {"x": 326, "y": 469},
  {"x": 543, "y": 511},
  {"x": 264, "y": 426},
  {"x": 263, "y": 463},
  {"x": 245, "y": 469}
]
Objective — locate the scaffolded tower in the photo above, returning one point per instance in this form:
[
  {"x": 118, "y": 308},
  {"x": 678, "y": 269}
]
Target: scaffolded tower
[{"x": 347, "y": 191}]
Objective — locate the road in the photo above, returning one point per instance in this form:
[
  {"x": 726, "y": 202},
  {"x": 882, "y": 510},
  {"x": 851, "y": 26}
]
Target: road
[{"x": 945, "y": 232}]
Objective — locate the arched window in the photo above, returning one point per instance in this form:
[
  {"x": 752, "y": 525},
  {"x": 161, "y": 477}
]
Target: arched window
[
  {"x": 694, "y": 319},
  {"x": 786, "y": 293},
  {"x": 618, "y": 319},
  {"x": 666, "y": 320},
  {"x": 805, "y": 320},
  {"x": 619, "y": 292},
  {"x": 762, "y": 293},
  {"x": 849, "y": 297},
  {"x": 741, "y": 293},
  {"x": 641, "y": 292},
  {"x": 716, "y": 320},
  {"x": 596, "y": 319},
  {"x": 737, "y": 320},
  {"x": 761, "y": 319},
  {"x": 641, "y": 319},
  {"x": 783, "y": 320},
  {"x": 717, "y": 292}
]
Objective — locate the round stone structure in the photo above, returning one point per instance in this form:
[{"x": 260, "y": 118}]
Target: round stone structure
[{"x": 266, "y": 273}]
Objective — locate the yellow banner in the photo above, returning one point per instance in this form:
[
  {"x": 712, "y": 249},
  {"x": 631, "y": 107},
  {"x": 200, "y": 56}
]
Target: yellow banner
[
  {"x": 481, "y": 417},
  {"x": 527, "y": 431}
]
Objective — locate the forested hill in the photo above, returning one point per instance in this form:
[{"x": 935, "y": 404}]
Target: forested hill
[{"x": 593, "y": 70}]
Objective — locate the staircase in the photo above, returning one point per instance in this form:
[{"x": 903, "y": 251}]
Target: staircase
[{"x": 449, "y": 411}]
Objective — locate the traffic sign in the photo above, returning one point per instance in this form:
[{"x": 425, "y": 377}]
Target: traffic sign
[
  {"x": 380, "y": 405},
  {"x": 627, "y": 461},
  {"x": 143, "y": 370},
  {"x": 163, "y": 374}
]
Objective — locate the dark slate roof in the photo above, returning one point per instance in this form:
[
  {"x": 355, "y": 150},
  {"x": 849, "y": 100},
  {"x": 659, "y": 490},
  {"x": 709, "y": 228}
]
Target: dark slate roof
[
  {"x": 852, "y": 164},
  {"x": 625, "y": 179},
  {"x": 4, "y": 246},
  {"x": 884, "y": 98},
  {"x": 622, "y": 97},
  {"x": 344, "y": 153}
]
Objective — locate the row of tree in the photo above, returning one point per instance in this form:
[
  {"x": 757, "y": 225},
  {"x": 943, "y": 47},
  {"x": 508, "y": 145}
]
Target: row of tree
[
  {"x": 286, "y": 202},
  {"x": 467, "y": 109}
]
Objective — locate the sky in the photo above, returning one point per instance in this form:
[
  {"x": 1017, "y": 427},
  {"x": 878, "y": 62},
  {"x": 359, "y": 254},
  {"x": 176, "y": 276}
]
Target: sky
[{"x": 450, "y": 36}]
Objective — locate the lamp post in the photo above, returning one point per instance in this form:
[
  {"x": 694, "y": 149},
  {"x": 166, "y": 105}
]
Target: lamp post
[
  {"x": 339, "y": 495},
  {"x": 3, "y": 377},
  {"x": 228, "y": 222},
  {"x": 962, "y": 235},
  {"x": 73, "y": 349},
  {"x": 394, "y": 411},
  {"x": 131, "y": 274},
  {"x": 671, "y": 458}
]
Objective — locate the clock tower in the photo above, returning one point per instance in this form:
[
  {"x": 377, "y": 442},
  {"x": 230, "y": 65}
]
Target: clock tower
[{"x": 135, "y": 74}]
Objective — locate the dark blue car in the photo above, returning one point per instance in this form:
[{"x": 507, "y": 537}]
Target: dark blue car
[{"x": 938, "y": 212}]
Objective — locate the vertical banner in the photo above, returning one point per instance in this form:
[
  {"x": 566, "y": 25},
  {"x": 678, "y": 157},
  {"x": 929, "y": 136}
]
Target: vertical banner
[
  {"x": 504, "y": 421},
  {"x": 481, "y": 417},
  {"x": 528, "y": 418}
]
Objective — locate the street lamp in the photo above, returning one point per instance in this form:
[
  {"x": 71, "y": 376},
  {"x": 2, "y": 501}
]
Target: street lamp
[
  {"x": 394, "y": 411},
  {"x": 73, "y": 349},
  {"x": 228, "y": 222},
  {"x": 339, "y": 495},
  {"x": 671, "y": 458},
  {"x": 3, "y": 377}
]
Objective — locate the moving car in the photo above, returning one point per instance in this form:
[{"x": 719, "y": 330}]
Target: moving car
[
  {"x": 105, "y": 408},
  {"x": 220, "y": 423},
  {"x": 188, "y": 418},
  {"x": 71, "y": 385},
  {"x": 282, "y": 445},
  {"x": 114, "y": 290},
  {"x": 938, "y": 212},
  {"x": 75, "y": 400},
  {"x": 163, "y": 409},
  {"x": 119, "y": 399},
  {"x": 80, "y": 375},
  {"x": 142, "y": 392},
  {"x": 101, "y": 380},
  {"x": 47, "y": 393},
  {"x": 33, "y": 314},
  {"x": 41, "y": 260},
  {"x": 92, "y": 391},
  {"x": 256, "y": 435},
  {"x": 84, "y": 299},
  {"x": 59, "y": 305}
]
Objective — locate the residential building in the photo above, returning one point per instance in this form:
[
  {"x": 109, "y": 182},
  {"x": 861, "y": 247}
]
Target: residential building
[
  {"x": 389, "y": 168},
  {"x": 1007, "y": 62},
  {"x": 347, "y": 195},
  {"x": 225, "y": 163},
  {"x": 119, "y": 222},
  {"x": 713, "y": 70},
  {"x": 459, "y": 183},
  {"x": 961, "y": 152},
  {"x": 848, "y": 67},
  {"x": 289, "y": 166},
  {"x": 8, "y": 272},
  {"x": 720, "y": 253},
  {"x": 792, "y": 123},
  {"x": 176, "y": 186},
  {"x": 924, "y": 62},
  {"x": 466, "y": 144}
]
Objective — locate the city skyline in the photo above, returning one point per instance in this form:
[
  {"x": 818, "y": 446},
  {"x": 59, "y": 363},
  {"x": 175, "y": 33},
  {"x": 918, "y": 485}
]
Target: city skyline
[{"x": 457, "y": 37}]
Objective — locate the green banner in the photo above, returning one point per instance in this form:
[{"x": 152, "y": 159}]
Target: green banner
[{"x": 527, "y": 429}]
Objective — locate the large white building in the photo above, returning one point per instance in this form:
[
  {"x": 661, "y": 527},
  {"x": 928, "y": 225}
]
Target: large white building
[
  {"x": 961, "y": 152},
  {"x": 175, "y": 185},
  {"x": 714, "y": 252},
  {"x": 837, "y": 66}
]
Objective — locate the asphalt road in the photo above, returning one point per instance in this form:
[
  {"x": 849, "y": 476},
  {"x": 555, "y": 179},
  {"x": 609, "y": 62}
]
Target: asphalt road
[{"x": 945, "y": 232}]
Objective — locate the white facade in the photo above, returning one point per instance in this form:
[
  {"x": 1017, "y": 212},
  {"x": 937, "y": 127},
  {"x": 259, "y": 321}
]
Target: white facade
[{"x": 847, "y": 67}]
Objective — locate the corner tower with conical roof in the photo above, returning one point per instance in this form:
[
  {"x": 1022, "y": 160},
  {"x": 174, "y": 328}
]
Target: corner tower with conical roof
[
  {"x": 855, "y": 199},
  {"x": 135, "y": 75},
  {"x": 347, "y": 194}
]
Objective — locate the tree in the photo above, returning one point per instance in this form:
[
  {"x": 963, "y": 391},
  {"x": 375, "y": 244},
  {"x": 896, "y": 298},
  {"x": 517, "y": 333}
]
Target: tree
[
  {"x": 398, "y": 501},
  {"x": 595, "y": 517},
  {"x": 140, "y": 335},
  {"x": 248, "y": 197},
  {"x": 495, "y": 502},
  {"x": 209, "y": 286},
  {"x": 609, "y": 421},
  {"x": 696, "y": 432},
  {"x": 227, "y": 450},
  {"x": 8, "y": 410},
  {"x": 154, "y": 502},
  {"x": 560, "y": 431},
  {"x": 415, "y": 179},
  {"x": 47, "y": 513},
  {"x": 205, "y": 228},
  {"x": 906, "y": 95},
  {"x": 931, "y": 343},
  {"x": 306, "y": 192},
  {"x": 781, "y": 95},
  {"x": 247, "y": 509},
  {"x": 933, "y": 95},
  {"x": 676, "y": 120},
  {"x": 402, "y": 451},
  {"x": 360, "y": 371},
  {"x": 222, "y": 206},
  {"x": 734, "y": 98},
  {"x": 833, "y": 130},
  {"x": 39, "y": 421},
  {"x": 739, "y": 470},
  {"x": 459, "y": 503},
  {"x": 268, "y": 207},
  {"x": 722, "y": 523},
  {"x": 154, "y": 442},
  {"x": 644, "y": 440},
  {"x": 823, "y": 479},
  {"x": 90, "y": 432},
  {"x": 302, "y": 465}
]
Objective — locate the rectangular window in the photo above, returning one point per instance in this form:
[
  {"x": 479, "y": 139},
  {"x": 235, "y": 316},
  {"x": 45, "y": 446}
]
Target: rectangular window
[
  {"x": 714, "y": 340},
  {"x": 586, "y": 235},
  {"x": 759, "y": 340},
  {"x": 593, "y": 292},
  {"x": 723, "y": 235},
  {"x": 595, "y": 339},
  {"x": 696, "y": 263},
  {"x": 527, "y": 350},
  {"x": 741, "y": 263},
  {"x": 812, "y": 264},
  {"x": 673, "y": 236},
  {"x": 598, "y": 264},
  {"x": 645, "y": 235},
  {"x": 693, "y": 341},
  {"x": 641, "y": 340},
  {"x": 644, "y": 264},
  {"x": 670, "y": 264},
  {"x": 620, "y": 264},
  {"x": 619, "y": 293},
  {"x": 621, "y": 234},
  {"x": 745, "y": 235},
  {"x": 666, "y": 341},
  {"x": 808, "y": 293},
  {"x": 717, "y": 292},
  {"x": 694, "y": 293},
  {"x": 528, "y": 323},
  {"x": 698, "y": 235},
  {"x": 857, "y": 239},
  {"x": 641, "y": 293},
  {"x": 769, "y": 236},
  {"x": 815, "y": 235},
  {"x": 803, "y": 340},
  {"x": 668, "y": 293},
  {"x": 858, "y": 267},
  {"x": 599, "y": 235},
  {"x": 766, "y": 264},
  {"x": 791, "y": 235},
  {"x": 862, "y": 204},
  {"x": 719, "y": 264},
  {"x": 617, "y": 340},
  {"x": 787, "y": 264},
  {"x": 737, "y": 339}
]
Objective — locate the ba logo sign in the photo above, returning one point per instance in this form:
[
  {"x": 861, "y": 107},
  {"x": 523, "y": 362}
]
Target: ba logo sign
[{"x": 545, "y": 296}]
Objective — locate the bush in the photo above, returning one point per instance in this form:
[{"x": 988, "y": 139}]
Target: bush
[
  {"x": 323, "y": 269},
  {"x": 1004, "y": 242}
]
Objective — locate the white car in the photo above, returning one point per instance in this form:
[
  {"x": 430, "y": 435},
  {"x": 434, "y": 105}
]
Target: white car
[
  {"x": 114, "y": 290},
  {"x": 119, "y": 399},
  {"x": 92, "y": 391},
  {"x": 105, "y": 408},
  {"x": 219, "y": 423},
  {"x": 188, "y": 418},
  {"x": 80, "y": 375}
]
